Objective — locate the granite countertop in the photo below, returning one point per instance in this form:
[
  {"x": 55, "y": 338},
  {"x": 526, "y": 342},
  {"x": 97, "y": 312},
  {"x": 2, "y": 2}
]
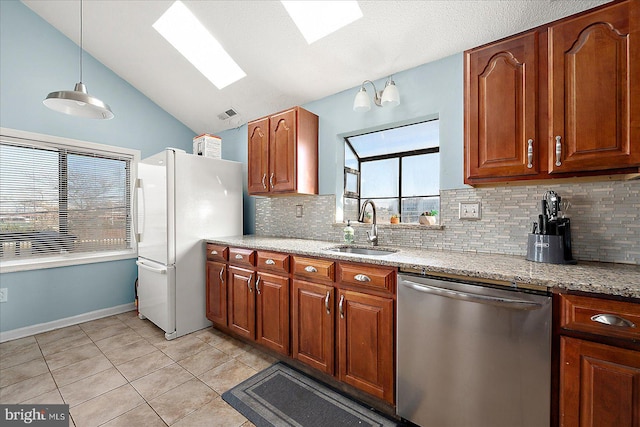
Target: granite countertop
[{"x": 602, "y": 278}]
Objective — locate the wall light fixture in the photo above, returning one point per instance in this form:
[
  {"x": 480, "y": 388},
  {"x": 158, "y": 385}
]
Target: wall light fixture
[{"x": 389, "y": 97}]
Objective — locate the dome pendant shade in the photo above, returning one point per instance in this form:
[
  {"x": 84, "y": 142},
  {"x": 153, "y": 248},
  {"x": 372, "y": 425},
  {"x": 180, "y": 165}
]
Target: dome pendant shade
[{"x": 79, "y": 103}]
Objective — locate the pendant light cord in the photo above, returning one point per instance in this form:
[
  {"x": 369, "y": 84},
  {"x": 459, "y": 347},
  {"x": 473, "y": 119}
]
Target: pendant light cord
[{"x": 80, "y": 41}]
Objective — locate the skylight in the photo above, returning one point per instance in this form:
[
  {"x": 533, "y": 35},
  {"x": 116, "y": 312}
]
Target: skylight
[
  {"x": 317, "y": 19},
  {"x": 182, "y": 29}
]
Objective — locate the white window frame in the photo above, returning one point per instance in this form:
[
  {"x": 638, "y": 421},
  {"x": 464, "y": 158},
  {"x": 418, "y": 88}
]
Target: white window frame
[{"x": 64, "y": 260}]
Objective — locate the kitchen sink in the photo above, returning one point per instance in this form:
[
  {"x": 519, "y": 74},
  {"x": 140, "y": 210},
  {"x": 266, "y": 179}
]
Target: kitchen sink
[{"x": 362, "y": 251}]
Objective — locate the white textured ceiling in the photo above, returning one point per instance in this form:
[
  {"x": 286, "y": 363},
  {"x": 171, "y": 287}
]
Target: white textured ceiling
[{"x": 282, "y": 69}]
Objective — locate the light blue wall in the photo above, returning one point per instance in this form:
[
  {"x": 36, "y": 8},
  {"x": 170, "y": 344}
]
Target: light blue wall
[
  {"x": 36, "y": 59},
  {"x": 427, "y": 91}
]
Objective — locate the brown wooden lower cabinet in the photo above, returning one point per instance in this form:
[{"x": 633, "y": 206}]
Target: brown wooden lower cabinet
[
  {"x": 217, "y": 293},
  {"x": 599, "y": 385},
  {"x": 312, "y": 324},
  {"x": 365, "y": 343},
  {"x": 272, "y": 312},
  {"x": 241, "y": 300}
]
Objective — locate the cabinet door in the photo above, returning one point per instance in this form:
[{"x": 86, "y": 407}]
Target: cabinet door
[
  {"x": 258, "y": 157},
  {"x": 312, "y": 323},
  {"x": 241, "y": 300},
  {"x": 595, "y": 90},
  {"x": 282, "y": 151},
  {"x": 365, "y": 340},
  {"x": 599, "y": 385},
  {"x": 217, "y": 293},
  {"x": 272, "y": 312},
  {"x": 500, "y": 109}
]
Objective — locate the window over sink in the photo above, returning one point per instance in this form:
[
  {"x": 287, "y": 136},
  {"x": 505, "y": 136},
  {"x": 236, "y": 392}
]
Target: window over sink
[{"x": 397, "y": 168}]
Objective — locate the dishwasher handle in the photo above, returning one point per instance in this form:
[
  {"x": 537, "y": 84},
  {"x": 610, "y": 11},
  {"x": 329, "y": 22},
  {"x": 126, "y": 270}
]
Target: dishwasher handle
[{"x": 466, "y": 296}]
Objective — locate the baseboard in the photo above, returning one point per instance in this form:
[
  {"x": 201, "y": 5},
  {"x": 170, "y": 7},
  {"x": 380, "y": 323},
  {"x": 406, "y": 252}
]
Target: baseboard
[{"x": 67, "y": 321}]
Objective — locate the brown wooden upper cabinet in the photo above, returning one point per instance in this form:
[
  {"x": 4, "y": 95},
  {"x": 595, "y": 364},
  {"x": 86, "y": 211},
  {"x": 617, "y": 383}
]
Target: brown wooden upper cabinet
[
  {"x": 558, "y": 101},
  {"x": 283, "y": 153}
]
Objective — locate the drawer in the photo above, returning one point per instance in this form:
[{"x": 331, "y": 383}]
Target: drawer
[
  {"x": 581, "y": 313},
  {"x": 311, "y": 268},
  {"x": 216, "y": 252},
  {"x": 245, "y": 257},
  {"x": 273, "y": 261},
  {"x": 367, "y": 276}
]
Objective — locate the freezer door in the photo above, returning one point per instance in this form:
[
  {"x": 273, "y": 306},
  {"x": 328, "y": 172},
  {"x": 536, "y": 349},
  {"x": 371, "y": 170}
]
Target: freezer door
[
  {"x": 157, "y": 294},
  {"x": 153, "y": 227}
]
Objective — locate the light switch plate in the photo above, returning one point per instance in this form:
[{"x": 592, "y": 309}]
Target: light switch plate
[
  {"x": 470, "y": 210},
  {"x": 4, "y": 294}
]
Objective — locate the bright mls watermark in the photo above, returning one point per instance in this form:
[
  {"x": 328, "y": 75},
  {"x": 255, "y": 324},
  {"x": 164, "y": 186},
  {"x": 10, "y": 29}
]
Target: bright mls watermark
[{"x": 34, "y": 415}]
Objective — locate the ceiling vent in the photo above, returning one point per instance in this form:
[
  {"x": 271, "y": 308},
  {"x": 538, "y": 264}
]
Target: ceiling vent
[{"x": 227, "y": 114}]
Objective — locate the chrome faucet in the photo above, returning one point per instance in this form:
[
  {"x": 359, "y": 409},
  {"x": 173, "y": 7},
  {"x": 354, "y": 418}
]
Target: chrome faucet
[{"x": 373, "y": 235}]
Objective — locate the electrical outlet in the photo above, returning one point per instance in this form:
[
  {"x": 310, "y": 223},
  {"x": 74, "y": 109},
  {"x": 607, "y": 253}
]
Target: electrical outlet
[
  {"x": 469, "y": 211},
  {"x": 298, "y": 211},
  {"x": 4, "y": 294}
]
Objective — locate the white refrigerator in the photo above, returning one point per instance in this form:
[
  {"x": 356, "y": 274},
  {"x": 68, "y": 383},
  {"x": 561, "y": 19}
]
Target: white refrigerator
[{"x": 181, "y": 199}]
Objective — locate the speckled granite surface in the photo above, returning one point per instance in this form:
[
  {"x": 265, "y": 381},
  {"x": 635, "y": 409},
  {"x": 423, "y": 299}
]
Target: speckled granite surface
[{"x": 602, "y": 278}]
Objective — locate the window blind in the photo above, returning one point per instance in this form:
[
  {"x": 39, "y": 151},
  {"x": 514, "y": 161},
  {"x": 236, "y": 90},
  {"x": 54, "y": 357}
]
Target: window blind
[{"x": 60, "y": 199}]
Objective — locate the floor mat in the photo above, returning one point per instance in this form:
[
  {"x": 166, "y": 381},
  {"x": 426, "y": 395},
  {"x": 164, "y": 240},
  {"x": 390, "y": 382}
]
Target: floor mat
[{"x": 282, "y": 396}]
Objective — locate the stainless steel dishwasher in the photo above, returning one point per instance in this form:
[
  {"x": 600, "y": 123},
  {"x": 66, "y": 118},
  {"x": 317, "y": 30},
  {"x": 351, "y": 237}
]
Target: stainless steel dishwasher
[{"x": 472, "y": 355}]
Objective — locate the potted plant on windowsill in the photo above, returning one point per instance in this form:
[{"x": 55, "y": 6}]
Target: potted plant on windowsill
[
  {"x": 428, "y": 217},
  {"x": 395, "y": 219},
  {"x": 367, "y": 217}
]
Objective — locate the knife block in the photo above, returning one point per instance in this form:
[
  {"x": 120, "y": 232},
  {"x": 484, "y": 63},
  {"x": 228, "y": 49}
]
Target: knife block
[{"x": 548, "y": 248}]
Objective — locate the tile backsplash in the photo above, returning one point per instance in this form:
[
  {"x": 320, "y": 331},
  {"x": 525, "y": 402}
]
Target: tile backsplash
[{"x": 605, "y": 220}]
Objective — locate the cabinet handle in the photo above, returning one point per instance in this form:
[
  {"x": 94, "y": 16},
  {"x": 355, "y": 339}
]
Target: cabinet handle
[
  {"x": 258, "y": 285},
  {"x": 340, "y": 306},
  {"x": 530, "y": 153},
  {"x": 362, "y": 278},
  {"x": 558, "y": 150},
  {"x": 238, "y": 256},
  {"x": 326, "y": 302},
  {"x": 310, "y": 269},
  {"x": 221, "y": 275},
  {"x": 270, "y": 262},
  {"x": 249, "y": 282},
  {"x": 613, "y": 320},
  {"x": 271, "y": 179},
  {"x": 214, "y": 252},
  {"x": 264, "y": 177}
]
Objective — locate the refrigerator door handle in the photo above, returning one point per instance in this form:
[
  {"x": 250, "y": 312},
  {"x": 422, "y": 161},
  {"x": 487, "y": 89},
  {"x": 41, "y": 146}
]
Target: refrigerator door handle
[
  {"x": 147, "y": 267},
  {"x": 138, "y": 198}
]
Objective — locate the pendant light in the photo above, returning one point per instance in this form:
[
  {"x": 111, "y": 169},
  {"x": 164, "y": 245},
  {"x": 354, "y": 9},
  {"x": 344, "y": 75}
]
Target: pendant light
[{"x": 78, "y": 102}]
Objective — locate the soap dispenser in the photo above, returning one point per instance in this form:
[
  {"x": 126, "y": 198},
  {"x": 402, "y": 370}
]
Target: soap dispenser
[{"x": 348, "y": 233}]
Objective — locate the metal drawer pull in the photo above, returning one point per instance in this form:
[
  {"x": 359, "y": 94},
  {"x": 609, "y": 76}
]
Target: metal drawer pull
[
  {"x": 558, "y": 150},
  {"x": 340, "y": 306},
  {"x": 258, "y": 285},
  {"x": 613, "y": 320},
  {"x": 271, "y": 180},
  {"x": 221, "y": 273},
  {"x": 326, "y": 302},
  {"x": 249, "y": 282},
  {"x": 310, "y": 269},
  {"x": 362, "y": 278},
  {"x": 214, "y": 252},
  {"x": 530, "y": 153},
  {"x": 238, "y": 256},
  {"x": 270, "y": 262},
  {"x": 264, "y": 177}
]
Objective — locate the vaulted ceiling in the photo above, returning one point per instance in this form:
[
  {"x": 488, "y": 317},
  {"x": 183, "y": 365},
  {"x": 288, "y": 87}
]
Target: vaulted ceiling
[{"x": 282, "y": 69}]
